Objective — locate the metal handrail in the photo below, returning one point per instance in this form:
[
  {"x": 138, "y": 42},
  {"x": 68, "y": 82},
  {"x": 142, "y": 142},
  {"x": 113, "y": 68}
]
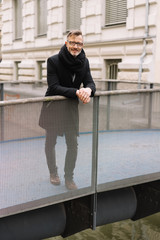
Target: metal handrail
[
  {"x": 22, "y": 81},
  {"x": 98, "y": 93},
  {"x": 109, "y": 81}
]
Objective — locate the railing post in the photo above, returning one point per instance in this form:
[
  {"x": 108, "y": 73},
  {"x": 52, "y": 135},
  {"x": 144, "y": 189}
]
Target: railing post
[
  {"x": 95, "y": 159},
  {"x": 2, "y": 111},
  {"x": 150, "y": 107},
  {"x": 109, "y": 86},
  {"x": 1, "y": 92},
  {"x": 151, "y": 85},
  {"x": 108, "y": 112},
  {"x": 150, "y": 111}
]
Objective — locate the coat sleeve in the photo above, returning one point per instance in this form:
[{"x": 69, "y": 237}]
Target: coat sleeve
[
  {"x": 54, "y": 86},
  {"x": 88, "y": 80}
]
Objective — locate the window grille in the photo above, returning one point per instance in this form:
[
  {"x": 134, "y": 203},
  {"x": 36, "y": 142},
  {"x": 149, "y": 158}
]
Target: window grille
[
  {"x": 112, "y": 68},
  {"x": 73, "y": 19},
  {"x": 112, "y": 72},
  {"x": 42, "y": 17},
  {"x": 40, "y": 69},
  {"x": 115, "y": 12},
  {"x": 18, "y": 18}
]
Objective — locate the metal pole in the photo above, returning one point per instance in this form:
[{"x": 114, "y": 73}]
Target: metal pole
[
  {"x": 150, "y": 111},
  {"x": 95, "y": 160},
  {"x": 1, "y": 92},
  {"x": 2, "y": 111},
  {"x": 108, "y": 111},
  {"x": 144, "y": 44}
]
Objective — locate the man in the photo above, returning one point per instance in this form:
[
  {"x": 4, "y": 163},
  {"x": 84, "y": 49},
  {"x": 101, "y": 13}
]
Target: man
[{"x": 66, "y": 71}]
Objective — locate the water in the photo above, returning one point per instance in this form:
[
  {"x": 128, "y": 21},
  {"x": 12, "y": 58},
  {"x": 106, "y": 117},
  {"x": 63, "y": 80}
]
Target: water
[{"x": 144, "y": 229}]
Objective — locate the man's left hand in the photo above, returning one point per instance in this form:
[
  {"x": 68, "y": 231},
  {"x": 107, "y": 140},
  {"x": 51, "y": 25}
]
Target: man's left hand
[{"x": 84, "y": 94}]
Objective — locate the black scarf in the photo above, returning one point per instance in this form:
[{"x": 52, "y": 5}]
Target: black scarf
[{"x": 75, "y": 64}]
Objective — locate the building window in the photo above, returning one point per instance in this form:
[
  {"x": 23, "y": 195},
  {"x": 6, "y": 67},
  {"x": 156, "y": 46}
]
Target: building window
[
  {"x": 115, "y": 12},
  {"x": 18, "y": 18},
  {"x": 40, "y": 68},
  {"x": 112, "y": 68},
  {"x": 73, "y": 18},
  {"x": 16, "y": 70},
  {"x": 112, "y": 73},
  {"x": 41, "y": 17}
]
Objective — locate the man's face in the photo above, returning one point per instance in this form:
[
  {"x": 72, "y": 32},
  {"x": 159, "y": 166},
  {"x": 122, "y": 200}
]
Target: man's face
[{"x": 74, "y": 45}]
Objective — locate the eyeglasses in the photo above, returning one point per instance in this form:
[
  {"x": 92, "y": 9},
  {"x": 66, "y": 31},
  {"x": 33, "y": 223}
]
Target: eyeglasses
[{"x": 79, "y": 44}]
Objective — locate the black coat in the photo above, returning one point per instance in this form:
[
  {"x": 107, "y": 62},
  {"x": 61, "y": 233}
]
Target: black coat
[
  {"x": 62, "y": 116},
  {"x": 59, "y": 78}
]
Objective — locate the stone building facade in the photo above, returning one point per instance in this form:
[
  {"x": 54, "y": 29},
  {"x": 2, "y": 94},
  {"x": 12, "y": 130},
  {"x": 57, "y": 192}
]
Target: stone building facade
[{"x": 121, "y": 37}]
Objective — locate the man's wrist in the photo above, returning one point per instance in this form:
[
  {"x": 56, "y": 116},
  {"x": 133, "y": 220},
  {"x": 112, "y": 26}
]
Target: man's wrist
[
  {"x": 89, "y": 90},
  {"x": 77, "y": 93}
]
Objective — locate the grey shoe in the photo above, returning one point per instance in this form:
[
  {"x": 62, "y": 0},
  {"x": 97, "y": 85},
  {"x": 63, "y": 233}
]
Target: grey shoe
[
  {"x": 54, "y": 179},
  {"x": 70, "y": 185}
]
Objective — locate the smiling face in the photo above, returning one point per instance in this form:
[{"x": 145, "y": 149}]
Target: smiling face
[{"x": 74, "y": 44}]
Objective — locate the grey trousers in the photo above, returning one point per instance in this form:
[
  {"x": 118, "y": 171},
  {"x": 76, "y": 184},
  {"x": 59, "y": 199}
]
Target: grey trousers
[{"x": 71, "y": 154}]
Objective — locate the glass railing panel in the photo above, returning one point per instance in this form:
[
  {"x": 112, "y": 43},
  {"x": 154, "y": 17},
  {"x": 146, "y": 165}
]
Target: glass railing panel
[
  {"x": 128, "y": 147},
  {"x": 24, "y": 169},
  {"x": 129, "y": 140}
]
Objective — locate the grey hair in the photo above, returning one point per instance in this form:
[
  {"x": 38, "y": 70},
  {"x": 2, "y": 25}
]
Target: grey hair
[{"x": 74, "y": 33}]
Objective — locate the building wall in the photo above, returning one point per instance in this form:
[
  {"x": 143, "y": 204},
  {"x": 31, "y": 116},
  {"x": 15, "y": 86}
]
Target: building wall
[{"x": 127, "y": 42}]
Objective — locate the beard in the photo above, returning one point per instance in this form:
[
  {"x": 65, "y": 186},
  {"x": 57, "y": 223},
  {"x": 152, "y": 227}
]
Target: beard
[{"x": 75, "y": 53}]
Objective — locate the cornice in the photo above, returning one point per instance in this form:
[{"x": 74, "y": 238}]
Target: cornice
[{"x": 87, "y": 44}]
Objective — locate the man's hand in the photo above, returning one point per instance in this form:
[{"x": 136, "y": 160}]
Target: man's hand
[{"x": 84, "y": 94}]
